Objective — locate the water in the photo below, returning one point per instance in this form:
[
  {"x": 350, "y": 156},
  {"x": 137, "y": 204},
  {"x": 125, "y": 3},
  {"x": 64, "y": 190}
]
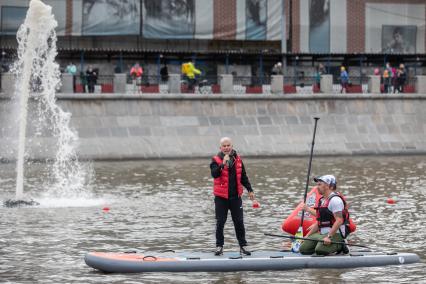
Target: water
[
  {"x": 158, "y": 205},
  {"x": 36, "y": 71}
]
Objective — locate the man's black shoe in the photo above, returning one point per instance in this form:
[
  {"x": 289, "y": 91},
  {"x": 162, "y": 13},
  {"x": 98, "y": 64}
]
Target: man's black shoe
[
  {"x": 243, "y": 251},
  {"x": 218, "y": 251},
  {"x": 345, "y": 249}
]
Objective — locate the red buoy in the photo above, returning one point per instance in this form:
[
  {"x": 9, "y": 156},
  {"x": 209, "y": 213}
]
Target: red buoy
[
  {"x": 391, "y": 201},
  {"x": 256, "y": 204},
  {"x": 105, "y": 209}
]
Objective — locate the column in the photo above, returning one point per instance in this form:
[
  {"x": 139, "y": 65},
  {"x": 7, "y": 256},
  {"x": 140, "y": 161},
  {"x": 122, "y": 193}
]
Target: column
[
  {"x": 327, "y": 84},
  {"x": 374, "y": 84},
  {"x": 421, "y": 84},
  {"x": 174, "y": 84},
  {"x": 277, "y": 84},
  {"x": 8, "y": 83},
  {"x": 67, "y": 83},
  {"x": 120, "y": 81},
  {"x": 226, "y": 84}
]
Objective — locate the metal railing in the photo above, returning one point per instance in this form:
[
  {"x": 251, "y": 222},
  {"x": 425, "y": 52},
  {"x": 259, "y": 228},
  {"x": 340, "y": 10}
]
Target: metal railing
[
  {"x": 146, "y": 80},
  {"x": 99, "y": 80},
  {"x": 204, "y": 84},
  {"x": 242, "y": 84},
  {"x": 98, "y": 84}
]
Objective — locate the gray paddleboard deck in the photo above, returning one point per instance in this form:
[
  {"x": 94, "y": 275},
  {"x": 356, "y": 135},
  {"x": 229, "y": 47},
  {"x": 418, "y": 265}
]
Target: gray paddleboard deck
[{"x": 232, "y": 261}]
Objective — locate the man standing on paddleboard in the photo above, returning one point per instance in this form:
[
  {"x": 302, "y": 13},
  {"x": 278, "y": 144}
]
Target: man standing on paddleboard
[{"x": 229, "y": 174}]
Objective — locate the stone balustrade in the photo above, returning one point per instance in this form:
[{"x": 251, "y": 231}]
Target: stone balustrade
[{"x": 225, "y": 82}]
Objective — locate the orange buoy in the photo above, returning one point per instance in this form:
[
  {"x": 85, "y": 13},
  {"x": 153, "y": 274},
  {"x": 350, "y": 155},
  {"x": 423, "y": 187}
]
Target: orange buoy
[{"x": 292, "y": 223}]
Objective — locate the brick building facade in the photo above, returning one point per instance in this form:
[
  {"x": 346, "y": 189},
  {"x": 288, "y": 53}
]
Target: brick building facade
[{"x": 356, "y": 22}]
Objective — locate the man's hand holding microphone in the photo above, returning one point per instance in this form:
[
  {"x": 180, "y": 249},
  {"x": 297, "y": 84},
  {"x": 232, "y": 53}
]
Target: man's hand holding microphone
[{"x": 226, "y": 160}]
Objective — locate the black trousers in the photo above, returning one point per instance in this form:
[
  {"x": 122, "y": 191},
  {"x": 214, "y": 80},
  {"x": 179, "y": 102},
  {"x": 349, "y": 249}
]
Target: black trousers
[
  {"x": 191, "y": 84},
  {"x": 222, "y": 206},
  {"x": 91, "y": 87},
  {"x": 73, "y": 83}
]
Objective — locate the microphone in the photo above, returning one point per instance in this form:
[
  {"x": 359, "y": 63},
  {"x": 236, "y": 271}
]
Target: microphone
[{"x": 229, "y": 163}]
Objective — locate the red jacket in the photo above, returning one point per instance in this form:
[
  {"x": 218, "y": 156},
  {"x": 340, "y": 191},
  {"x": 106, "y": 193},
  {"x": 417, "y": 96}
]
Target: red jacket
[
  {"x": 136, "y": 71},
  {"x": 221, "y": 184}
]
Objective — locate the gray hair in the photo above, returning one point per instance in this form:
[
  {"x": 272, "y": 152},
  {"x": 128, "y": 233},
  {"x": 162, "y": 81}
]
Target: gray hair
[{"x": 223, "y": 139}]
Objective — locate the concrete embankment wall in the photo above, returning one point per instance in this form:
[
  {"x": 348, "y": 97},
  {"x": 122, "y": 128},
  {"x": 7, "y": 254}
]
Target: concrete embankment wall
[{"x": 112, "y": 126}]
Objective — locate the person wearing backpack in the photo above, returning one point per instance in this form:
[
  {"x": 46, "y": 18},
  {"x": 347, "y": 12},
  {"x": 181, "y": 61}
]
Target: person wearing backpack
[{"x": 332, "y": 220}]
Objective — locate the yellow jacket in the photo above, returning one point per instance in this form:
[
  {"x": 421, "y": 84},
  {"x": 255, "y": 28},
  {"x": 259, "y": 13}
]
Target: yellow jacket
[{"x": 189, "y": 70}]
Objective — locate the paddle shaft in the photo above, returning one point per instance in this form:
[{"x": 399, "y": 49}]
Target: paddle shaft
[
  {"x": 309, "y": 239},
  {"x": 309, "y": 170}
]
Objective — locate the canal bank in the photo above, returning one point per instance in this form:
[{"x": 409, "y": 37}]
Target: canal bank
[{"x": 114, "y": 126}]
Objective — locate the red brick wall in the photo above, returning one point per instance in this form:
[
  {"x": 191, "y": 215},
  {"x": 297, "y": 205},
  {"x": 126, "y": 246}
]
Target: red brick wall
[
  {"x": 287, "y": 17},
  {"x": 296, "y": 26},
  {"x": 225, "y": 19},
  {"x": 68, "y": 19},
  {"x": 356, "y": 21},
  {"x": 355, "y": 31}
]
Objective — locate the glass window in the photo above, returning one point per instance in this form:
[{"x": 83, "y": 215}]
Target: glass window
[{"x": 12, "y": 18}]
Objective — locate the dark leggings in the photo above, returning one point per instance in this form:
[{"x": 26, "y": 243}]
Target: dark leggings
[{"x": 222, "y": 206}]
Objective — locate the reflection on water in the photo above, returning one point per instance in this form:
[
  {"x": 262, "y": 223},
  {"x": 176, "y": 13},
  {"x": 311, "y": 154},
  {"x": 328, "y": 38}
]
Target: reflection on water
[{"x": 158, "y": 205}]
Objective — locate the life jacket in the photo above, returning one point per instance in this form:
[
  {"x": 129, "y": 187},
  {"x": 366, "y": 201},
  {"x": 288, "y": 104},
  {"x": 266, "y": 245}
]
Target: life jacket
[
  {"x": 325, "y": 217},
  {"x": 221, "y": 183}
]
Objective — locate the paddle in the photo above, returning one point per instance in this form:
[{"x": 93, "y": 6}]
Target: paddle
[
  {"x": 296, "y": 243},
  {"x": 309, "y": 239}
]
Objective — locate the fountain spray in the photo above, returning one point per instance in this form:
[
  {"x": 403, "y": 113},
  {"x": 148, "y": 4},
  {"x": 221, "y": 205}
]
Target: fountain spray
[{"x": 38, "y": 75}]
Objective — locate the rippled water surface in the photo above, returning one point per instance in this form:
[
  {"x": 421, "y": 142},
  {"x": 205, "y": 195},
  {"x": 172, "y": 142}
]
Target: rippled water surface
[{"x": 158, "y": 205}]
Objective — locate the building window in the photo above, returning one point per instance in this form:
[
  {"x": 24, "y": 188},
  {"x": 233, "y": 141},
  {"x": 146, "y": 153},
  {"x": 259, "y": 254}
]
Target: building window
[{"x": 12, "y": 18}]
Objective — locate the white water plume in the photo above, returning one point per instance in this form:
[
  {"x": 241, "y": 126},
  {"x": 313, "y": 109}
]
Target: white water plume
[{"x": 38, "y": 73}]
